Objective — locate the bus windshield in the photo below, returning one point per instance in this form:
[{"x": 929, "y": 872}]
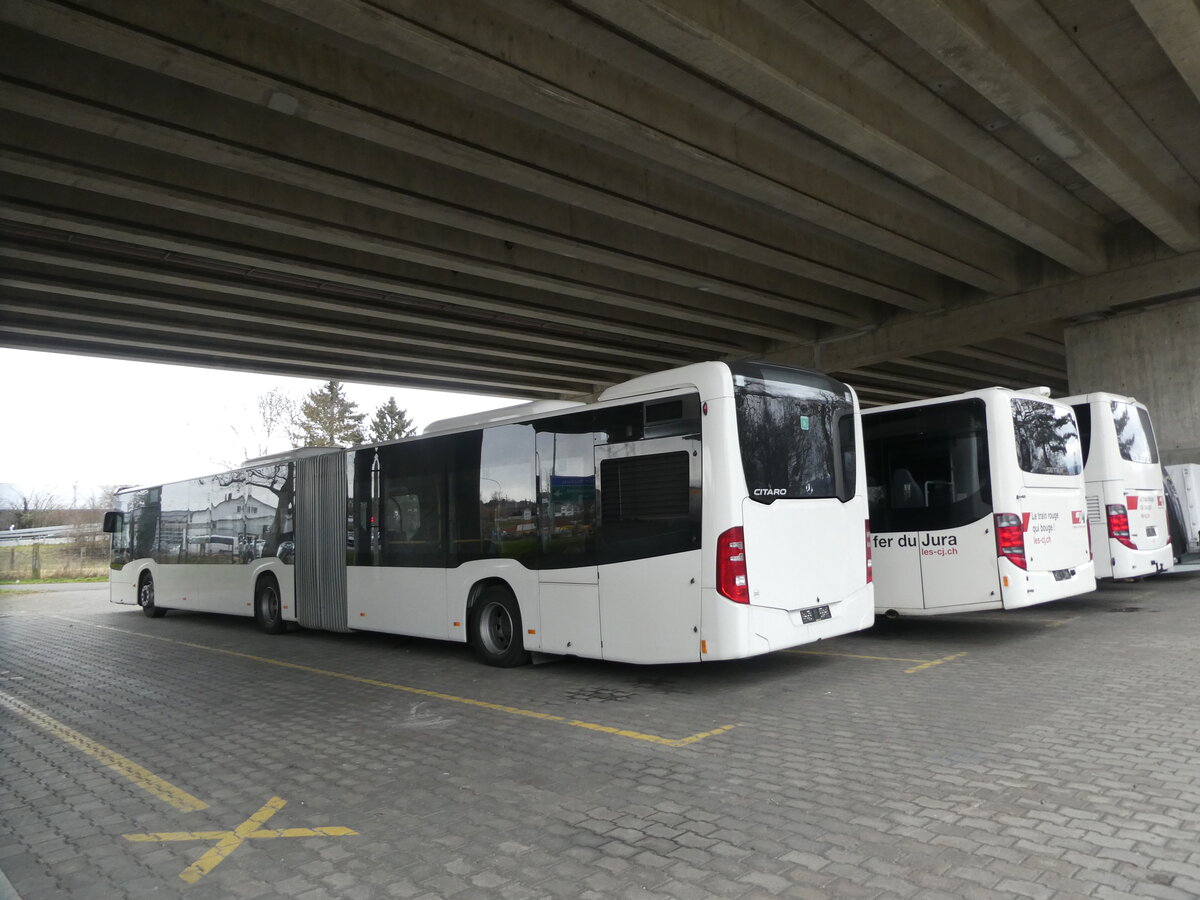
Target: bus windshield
[
  {"x": 1135, "y": 435},
  {"x": 796, "y": 431},
  {"x": 1047, "y": 438}
]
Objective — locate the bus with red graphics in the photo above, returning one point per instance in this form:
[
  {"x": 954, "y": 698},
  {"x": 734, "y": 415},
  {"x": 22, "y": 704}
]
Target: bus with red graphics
[
  {"x": 714, "y": 511},
  {"x": 1126, "y": 501},
  {"x": 976, "y": 503}
]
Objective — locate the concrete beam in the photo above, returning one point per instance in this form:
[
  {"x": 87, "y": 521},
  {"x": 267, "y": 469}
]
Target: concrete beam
[
  {"x": 1177, "y": 276},
  {"x": 119, "y": 313},
  {"x": 368, "y": 28},
  {"x": 360, "y": 187},
  {"x": 274, "y": 96},
  {"x": 164, "y": 352},
  {"x": 796, "y": 73},
  {"x": 1175, "y": 24},
  {"x": 203, "y": 150},
  {"x": 981, "y": 48},
  {"x": 196, "y": 203},
  {"x": 296, "y": 311}
]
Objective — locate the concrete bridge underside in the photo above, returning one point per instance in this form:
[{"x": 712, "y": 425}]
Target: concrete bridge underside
[{"x": 540, "y": 198}]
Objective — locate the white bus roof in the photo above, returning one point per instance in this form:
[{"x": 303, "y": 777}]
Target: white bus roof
[
  {"x": 1041, "y": 393},
  {"x": 496, "y": 416}
]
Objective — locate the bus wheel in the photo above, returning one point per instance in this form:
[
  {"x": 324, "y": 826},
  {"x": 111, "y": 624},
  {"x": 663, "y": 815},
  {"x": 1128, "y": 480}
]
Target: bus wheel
[
  {"x": 145, "y": 597},
  {"x": 496, "y": 628},
  {"x": 268, "y": 608}
]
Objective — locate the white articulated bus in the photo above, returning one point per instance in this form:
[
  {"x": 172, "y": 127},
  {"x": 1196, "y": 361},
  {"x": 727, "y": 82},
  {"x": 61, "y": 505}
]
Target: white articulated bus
[
  {"x": 976, "y": 503},
  {"x": 708, "y": 512},
  {"x": 1126, "y": 503}
]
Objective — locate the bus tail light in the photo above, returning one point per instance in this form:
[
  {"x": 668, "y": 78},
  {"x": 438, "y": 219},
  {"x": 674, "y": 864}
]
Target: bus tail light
[
  {"x": 870, "y": 568},
  {"x": 1010, "y": 539},
  {"x": 731, "y": 566},
  {"x": 1118, "y": 525}
]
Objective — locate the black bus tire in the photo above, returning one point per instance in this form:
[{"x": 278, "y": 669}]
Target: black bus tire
[
  {"x": 268, "y": 606},
  {"x": 145, "y": 597},
  {"x": 496, "y": 633}
]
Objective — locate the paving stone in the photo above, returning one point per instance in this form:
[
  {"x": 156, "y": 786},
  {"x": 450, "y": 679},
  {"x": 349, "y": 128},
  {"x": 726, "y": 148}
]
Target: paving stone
[{"x": 1034, "y": 766}]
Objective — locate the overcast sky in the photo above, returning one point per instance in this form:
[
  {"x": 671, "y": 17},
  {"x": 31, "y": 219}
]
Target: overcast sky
[{"x": 71, "y": 424}]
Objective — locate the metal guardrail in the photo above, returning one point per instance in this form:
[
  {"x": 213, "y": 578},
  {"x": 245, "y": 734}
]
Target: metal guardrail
[{"x": 50, "y": 534}]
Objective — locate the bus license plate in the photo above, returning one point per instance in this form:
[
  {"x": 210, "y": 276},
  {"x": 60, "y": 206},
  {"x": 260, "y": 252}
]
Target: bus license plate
[
  {"x": 1150, "y": 532},
  {"x": 808, "y": 616},
  {"x": 1063, "y": 574}
]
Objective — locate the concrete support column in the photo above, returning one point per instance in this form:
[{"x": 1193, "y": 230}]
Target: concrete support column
[{"x": 1153, "y": 356}]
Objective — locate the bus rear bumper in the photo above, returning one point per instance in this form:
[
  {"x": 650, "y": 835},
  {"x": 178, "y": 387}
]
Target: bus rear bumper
[
  {"x": 1020, "y": 588},
  {"x": 1127, "y": 563},
  {"x": 765, "y": 629}
]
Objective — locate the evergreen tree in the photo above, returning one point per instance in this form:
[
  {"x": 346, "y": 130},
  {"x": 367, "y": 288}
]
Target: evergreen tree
[
  {"x": 391, "y": 422},
  {"x": 327, "y": 418}
]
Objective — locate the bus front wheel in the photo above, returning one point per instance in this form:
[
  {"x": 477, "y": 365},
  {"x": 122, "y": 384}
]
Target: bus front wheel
[
  {"x": 496, "y": 628},
  {"x": 268, "y": 607},
  {"x": 145, "y": 597}
]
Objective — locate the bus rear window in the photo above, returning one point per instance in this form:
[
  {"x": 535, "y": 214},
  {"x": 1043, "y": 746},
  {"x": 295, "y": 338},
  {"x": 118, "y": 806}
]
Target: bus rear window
[
  {"x": 1135, "y": 434},
  {"x": 796, "y": 431},
  {"x": 1047, "y": 438}
]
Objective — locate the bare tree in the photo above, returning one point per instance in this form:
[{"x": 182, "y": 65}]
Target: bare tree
[
  {"x": 35, "y": 509},
  {"x": 276, "y": 412}
]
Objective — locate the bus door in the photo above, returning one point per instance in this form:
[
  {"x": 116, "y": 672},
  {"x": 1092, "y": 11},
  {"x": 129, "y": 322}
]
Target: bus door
[
  {"x": 568, "y": 584},
  {"x": 648, "y": 548}
]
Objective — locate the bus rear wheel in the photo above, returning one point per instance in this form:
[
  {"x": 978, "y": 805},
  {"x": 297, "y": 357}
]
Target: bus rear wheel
[
  {"x": 496, "y": 628},
  {"x": 268, "y": 607},
  {"x": 145, "y": 598}
]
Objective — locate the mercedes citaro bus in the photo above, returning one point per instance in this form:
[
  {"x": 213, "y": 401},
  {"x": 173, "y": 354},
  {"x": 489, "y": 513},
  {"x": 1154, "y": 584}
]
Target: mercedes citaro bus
[{"x": 714, "y": 511}]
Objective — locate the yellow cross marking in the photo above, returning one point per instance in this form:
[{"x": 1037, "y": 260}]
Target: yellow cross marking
[
  {"x": 228, "y": 841},
  {"x": 933, "y": 662},
  {"x": 425, "y": 692}
]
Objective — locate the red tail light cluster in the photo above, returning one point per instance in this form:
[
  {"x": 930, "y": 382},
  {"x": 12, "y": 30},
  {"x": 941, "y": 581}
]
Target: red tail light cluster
[
  {"x": 1010, "y": 539},
  {"x": 731, "y": 566},
  {"x": 1118, "y": 524},
  {"x": 870, "y": 568}
]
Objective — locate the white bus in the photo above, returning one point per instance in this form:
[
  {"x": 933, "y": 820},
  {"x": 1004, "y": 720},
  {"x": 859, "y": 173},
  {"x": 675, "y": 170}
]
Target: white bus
[
  {"x": 976, "y": 503},
  {"x": 708, "y": 512},
  {"x": 1126, "y": 503}
]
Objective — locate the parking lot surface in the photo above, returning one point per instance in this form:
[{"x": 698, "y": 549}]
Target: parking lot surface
[{"x": 1047, "y": 752}]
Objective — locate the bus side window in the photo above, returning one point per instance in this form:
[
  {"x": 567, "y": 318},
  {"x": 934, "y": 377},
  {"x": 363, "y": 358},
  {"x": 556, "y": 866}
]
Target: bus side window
[
  {"x": 645, "y": 505},
  {"x": 566, "y": 481},
  {"x": 413, "y": 488},
  {"x": 508, "y": 515},
  {"x": 1083, "y": 416},
  {"x": 928, "y": 467}
]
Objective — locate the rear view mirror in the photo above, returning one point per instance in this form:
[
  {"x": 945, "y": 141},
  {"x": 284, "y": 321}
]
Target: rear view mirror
[{"x": 112, "y": 521}]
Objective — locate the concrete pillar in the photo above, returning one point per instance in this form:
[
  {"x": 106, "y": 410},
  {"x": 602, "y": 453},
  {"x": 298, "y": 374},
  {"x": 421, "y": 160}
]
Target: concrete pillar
[{"x": 1153, "y": 356}]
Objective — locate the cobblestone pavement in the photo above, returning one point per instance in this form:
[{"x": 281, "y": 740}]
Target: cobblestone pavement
[{"x": 1048, "y": 752}]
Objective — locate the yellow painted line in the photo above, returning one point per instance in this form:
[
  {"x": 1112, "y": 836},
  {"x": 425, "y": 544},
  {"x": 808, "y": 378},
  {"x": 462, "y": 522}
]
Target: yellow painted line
[
  {"x": 856, "y": 656},
  {"x": 1059, "y": 622},
  {"x": 127, "y": 768},
  {"x": 933, "y": 662},
  {"x": 424, "y": 692},
  {"x": 228, "y": 841},
  {"x": 924, "y": 663}
]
